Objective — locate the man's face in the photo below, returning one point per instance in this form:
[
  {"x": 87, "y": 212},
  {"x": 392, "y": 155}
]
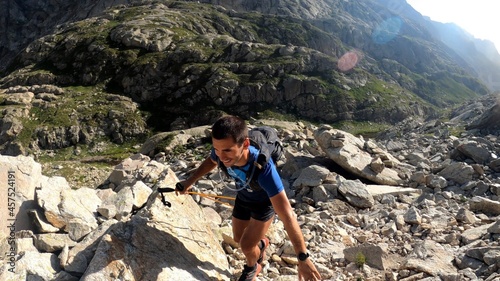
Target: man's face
[{"x": 230, "y": 153}]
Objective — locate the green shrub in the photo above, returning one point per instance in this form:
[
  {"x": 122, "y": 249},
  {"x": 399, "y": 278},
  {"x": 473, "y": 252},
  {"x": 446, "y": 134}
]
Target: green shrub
[{"x": 360, "y": 259}]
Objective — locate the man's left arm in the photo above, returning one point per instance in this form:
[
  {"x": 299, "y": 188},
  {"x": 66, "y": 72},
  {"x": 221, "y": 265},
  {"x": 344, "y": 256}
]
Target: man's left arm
[{"x": 307, "y": 270}]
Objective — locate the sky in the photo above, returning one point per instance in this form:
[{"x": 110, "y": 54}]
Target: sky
[{"x": 478, "y": 17}]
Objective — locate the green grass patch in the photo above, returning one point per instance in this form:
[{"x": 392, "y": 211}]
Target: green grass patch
[
  {"x": 274, "y": 115},
  {"x": 363, "y": 128},
  {"x": 105, "y": 155}
]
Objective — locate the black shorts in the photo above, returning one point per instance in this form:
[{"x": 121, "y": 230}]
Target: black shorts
[{"x": 261, "y": 211}]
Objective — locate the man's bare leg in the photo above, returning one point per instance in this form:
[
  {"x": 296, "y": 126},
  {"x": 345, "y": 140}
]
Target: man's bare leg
[{"x": 249, "y": 233}]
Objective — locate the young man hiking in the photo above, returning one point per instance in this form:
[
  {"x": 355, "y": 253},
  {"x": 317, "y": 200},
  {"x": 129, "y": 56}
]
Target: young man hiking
[{"x": 254, "y": 209}]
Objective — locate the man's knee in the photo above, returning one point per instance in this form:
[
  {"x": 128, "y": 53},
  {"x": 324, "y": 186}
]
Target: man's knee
[
  {"x": 236, "y": 239},
  {"x": 247, "y": 247}
]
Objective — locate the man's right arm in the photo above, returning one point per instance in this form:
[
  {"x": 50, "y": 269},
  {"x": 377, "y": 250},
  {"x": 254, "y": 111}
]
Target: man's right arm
[{"x": 205, "y": 167}]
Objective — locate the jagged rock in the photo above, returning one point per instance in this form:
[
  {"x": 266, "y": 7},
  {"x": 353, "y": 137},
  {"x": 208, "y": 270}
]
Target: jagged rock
[
  {"x": 337, "y": 207},
  {"x": 123, "y": 171},
  {"x": 487, "y": 121},
  {"x": 492, "y": 257},
  {"x": 52, "y": 242},
  {"x": 23, "y": 175},
  {"x": 484, "y": 205},
  {"x": 431, "y": 258},
  {"x": 156, "y": 232},
  {"x": 475, "y": 151},
  {"x": 323, "y": 194},
  {"x": 465, "y": 262},
  {"x": 356, "y": 193},
  {"x": 78, "y": 228},
  {"x": 480, "y": 253},
  {"x": 348, "y": 151},
  {"x": 151, "y": 172},
  {"x": 466, "y": 216},
  {"x": 10, "y": 126},
  {"x": 26, "y": 245},
  {"x": 40, "y": 222},
  {"x": 295, "y": 164},
  {"x": 107, "y": 211},
  {"x": 495, "y": 165},
  {"x": 19, "y": 98},
  {"x": 63, "y": 205},
  {"x": 311, "y": 176},
  {"x": 495, "y": 228},
  {"x": 42, "y": 265},
  {"x": 377, "y": 165},
  {"x": 413, "y": 216},
  {"x": 126, "y": 199},
  {"x": 58, "y": 137},
  {"x": 122, "y": 201},
  {"x": 435, "y": 181},
  {"x": 473, "y": 234},
  {"x": 117, "y": 176},
  {"x": 79, "y": 204},
  {"x": 78, "y": 258},
  {"x": 141, "y": 193},
  {"x": 458, "y": 172},
  {"x": 133, "y": 163}
]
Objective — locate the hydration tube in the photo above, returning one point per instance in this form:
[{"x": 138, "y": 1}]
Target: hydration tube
[{"x": 236, "y": 189}]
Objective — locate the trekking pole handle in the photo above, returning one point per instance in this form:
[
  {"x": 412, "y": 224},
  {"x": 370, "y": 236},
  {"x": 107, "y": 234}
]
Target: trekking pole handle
[{"x": 179, "y": 186}]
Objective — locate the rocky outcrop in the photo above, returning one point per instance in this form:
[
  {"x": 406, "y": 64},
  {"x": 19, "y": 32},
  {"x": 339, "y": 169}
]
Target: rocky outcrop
[
  {"x": 362, "y": 158},
  {"x": 61, "y": 119},
  {"x": 489, "y": 119},
  {"x": 156, "y": 243}
]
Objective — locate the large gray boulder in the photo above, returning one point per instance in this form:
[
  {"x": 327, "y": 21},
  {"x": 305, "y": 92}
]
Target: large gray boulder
[
  {"x": 356, "y": 156},
  {"x": 161, "y": 243}
]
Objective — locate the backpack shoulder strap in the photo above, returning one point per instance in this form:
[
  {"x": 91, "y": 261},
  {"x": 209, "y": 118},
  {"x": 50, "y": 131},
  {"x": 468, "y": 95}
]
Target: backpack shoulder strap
[
  {"x": 222, "y": 167},
  {"x": 261, "y": 138}
]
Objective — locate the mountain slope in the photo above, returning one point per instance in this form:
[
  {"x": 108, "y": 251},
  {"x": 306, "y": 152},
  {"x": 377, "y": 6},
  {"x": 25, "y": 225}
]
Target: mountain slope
[{"x": 199, "y": 57}]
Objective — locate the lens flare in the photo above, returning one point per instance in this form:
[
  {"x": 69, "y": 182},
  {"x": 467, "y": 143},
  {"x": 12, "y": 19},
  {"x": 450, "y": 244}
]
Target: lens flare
[
  {"x": 387, "y": 30},
  {"x": 348, "y": 61}
]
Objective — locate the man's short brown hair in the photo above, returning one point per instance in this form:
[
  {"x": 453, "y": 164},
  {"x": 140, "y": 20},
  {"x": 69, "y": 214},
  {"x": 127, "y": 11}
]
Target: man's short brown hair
[{"x": 230, "y": 126}]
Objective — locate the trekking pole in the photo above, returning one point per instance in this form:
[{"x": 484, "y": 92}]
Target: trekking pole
[{"x": 213, "y": 197}]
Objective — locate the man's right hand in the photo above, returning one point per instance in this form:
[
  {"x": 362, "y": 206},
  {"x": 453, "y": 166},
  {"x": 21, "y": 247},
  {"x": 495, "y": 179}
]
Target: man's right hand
[
  {"x": 206, "y": 166},
  {"x": 182, "y": 187}
]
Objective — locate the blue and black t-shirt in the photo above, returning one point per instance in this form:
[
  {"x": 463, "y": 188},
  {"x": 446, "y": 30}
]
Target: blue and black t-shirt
[{"x": 269, "y": 179}]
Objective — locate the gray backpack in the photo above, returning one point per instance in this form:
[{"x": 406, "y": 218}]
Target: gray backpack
[{"x": 266, "y": 140}]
